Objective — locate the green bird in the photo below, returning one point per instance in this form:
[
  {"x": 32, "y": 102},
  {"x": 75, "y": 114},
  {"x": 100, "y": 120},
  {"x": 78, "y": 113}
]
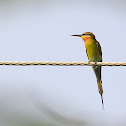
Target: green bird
[{"x": 94, "y": 54}]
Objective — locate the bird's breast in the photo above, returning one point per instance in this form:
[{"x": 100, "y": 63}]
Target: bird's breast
[{"x": 92, "y": 51}]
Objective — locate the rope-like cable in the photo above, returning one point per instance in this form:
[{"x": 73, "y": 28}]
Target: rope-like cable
[{"x": 63, "y": 63}]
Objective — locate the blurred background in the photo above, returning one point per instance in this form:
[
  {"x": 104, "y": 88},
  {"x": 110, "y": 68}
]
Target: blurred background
[{"x": 39, "y": 30}]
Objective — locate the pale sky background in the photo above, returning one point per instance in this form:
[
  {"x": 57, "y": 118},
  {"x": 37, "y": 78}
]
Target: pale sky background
[{"x": 40, "y": 30}]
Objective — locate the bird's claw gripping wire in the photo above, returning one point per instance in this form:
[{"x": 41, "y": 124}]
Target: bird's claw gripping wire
[{"x": 94, "y": 65}]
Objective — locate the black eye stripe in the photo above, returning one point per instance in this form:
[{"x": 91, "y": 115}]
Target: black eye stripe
[{"x": 87, "y": 34}]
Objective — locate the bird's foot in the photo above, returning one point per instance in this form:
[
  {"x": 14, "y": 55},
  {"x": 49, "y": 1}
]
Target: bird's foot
[
  {"x": 89, "y": 62},
  {"x": 95, "y": 65}
]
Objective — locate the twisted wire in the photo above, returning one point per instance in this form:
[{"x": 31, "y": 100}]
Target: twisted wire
[{"x": 25, "y": 63}]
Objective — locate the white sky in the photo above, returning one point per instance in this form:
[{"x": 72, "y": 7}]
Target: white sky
[{"x": 53, "y": 95}]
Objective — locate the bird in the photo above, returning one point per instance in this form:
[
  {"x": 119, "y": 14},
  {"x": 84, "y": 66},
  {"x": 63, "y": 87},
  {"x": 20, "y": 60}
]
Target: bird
[{"x": 94, "y": 54}]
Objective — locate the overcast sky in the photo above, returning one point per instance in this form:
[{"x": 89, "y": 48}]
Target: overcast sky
[{"x": 59, "y": 95}]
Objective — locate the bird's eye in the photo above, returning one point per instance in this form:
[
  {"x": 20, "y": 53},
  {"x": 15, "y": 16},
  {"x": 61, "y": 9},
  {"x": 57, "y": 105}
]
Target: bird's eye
[{"x": 83, "y": 34}]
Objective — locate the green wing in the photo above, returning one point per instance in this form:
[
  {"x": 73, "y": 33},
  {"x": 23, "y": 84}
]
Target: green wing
[
  {"x": 99, "y": 48},
  {"x": 97, "y": 71}
]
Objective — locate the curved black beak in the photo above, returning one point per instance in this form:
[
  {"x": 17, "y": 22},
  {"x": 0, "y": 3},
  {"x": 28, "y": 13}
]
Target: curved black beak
[{"x": 76, "y": 35}]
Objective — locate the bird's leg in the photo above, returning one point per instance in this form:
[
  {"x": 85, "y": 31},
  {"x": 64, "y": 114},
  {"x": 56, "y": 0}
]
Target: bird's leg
[
  {"x": 89, "y": 63},
  {"x": 94, "y": 66}
]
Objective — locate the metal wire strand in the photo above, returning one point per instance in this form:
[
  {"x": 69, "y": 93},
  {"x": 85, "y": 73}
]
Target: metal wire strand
[{"x": 25, "y": 63}]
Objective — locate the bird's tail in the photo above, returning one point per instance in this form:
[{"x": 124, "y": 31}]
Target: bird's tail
[
  {"x": 101, "y": 92},
  {"x": 97, "y": 71}
]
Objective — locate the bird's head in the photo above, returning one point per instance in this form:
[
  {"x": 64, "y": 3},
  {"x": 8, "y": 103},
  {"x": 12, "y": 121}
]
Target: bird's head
[{"x": 86, "y": 36}]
